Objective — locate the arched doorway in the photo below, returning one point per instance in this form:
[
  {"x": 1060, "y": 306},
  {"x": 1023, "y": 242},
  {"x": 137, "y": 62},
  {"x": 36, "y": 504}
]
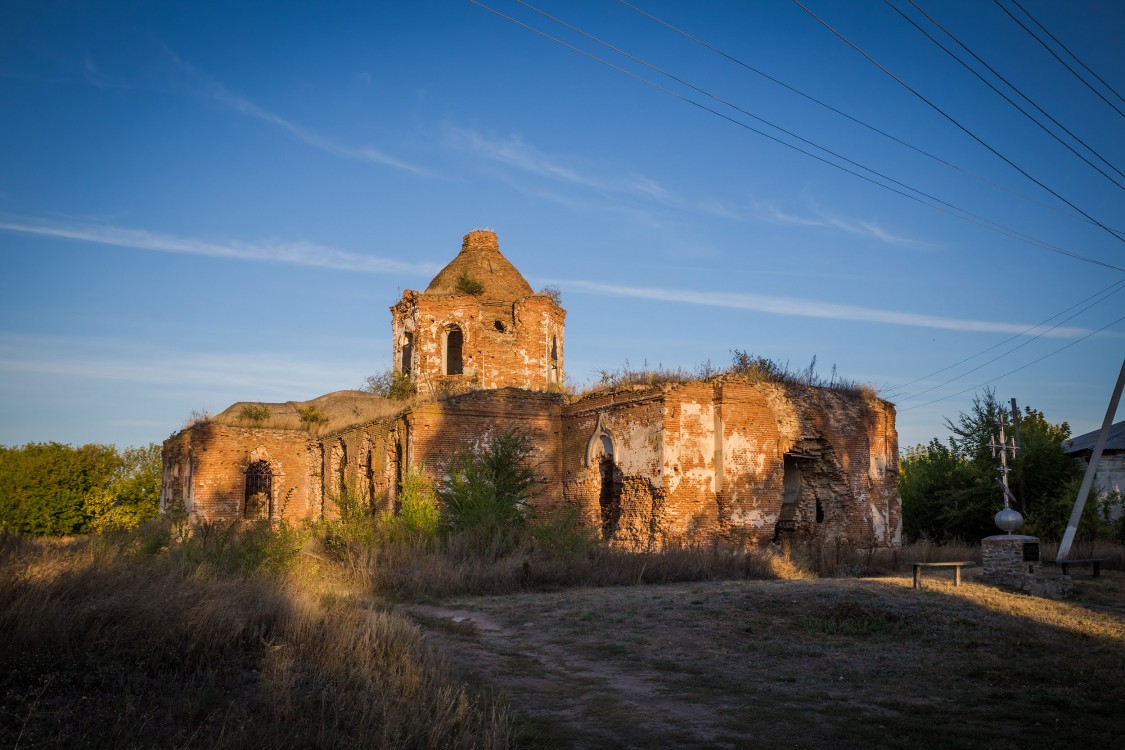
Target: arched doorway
[{"x": 609, "y": 494}]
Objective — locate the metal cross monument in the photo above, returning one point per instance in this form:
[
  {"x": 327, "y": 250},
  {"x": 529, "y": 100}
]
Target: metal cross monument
[{"x": 1007, "y": 519}]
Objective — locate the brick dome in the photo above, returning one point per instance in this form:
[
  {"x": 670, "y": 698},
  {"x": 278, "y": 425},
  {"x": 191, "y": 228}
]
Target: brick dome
[{"x": 480, "y": 259}]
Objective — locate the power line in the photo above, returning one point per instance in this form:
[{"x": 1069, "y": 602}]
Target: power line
[
  {"x": 1006, "y": 98},
  {"x": 1067, "y": 49},
  {"x": 1014, "y": 348},
  {"x": 1021, "y": 367},
  {"x": 943, "y": 206},
  {"x": 951, "y": 119},
  {"x": 855, "y": 120},
  {"x": 737, "y": 108},
  {"x": 1010, "y": 338},
  {"x": 1054, "y": 55}
]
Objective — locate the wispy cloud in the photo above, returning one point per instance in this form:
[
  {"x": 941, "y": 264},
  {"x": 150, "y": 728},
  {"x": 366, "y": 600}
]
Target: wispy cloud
[
  {"x": 516, "y": 153},
  {"x": 807, "y": 308},
  {"x": 215, "y": 91},
  {"x": 297, "y": 253},
  {"x": 519, "y": 154},
  {"x": 260, "y": 373},
  {"x": 827, "y": 220},
  {"x": 88, "y": 358}
]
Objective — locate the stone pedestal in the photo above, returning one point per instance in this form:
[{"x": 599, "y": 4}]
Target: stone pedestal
[{"x": 1013, "y": 560}]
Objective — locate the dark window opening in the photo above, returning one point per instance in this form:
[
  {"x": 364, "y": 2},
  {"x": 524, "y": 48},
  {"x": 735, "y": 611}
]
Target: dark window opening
[
  {"x": 341, "y": 469},
  {"x": 398, "y": 477},
  {"x": 259, "y": 486},
  {"x": 819, "y": 511},
  {"x": 500, "y": 326},
  {"x": 555, "y": 349},
  {"x": 407, "y": 353},
  {"x": 454, "y": 341},
  {"x": 369, "y": 474}
]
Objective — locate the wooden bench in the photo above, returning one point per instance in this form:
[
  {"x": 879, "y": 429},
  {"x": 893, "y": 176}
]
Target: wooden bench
[
  {"x": 1095, "y": 563},
  {"x": 955, "y": 565}
]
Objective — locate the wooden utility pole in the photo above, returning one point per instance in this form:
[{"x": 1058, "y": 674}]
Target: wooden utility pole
[{"x": 1091, "y": 470}]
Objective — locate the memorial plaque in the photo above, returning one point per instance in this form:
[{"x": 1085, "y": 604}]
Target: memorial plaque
[{"x": 1031, "y": 551}]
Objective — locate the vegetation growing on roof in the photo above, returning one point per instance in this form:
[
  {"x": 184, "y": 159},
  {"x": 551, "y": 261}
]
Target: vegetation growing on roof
[
  {"x": 254, "y": 414},
  {"x": 553, "y": 292},
  {"x": 390, "y": 384},
  {"x": 311, "y": 416},
  {"x": 743, "y": 363},
  {"x": 468, "y": 284}
]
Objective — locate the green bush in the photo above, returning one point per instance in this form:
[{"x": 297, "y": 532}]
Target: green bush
[
  {"x": 310, "y": 415},
  {"x": 467, "y": 284},
  {"x": 418, "y": 518},
  {"x": 255, "y": 414},
  {"x": 486, "y": 498},
  {"x": 560, "y": 532}
]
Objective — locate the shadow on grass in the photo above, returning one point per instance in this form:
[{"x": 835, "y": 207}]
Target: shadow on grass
[{"x": 112, "y": 651}]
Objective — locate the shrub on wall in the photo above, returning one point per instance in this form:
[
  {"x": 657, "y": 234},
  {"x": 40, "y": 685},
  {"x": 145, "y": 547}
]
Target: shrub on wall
[
  {"x": 488, "y": 491},
  {"x": 311, "y": 416},
  {"x": 255, "y": 414},
  {"x": 467, "y": 284},
  {"x": 390, "y": 384}
]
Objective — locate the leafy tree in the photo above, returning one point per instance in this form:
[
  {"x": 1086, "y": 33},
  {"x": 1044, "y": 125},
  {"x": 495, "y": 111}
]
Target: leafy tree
[
  {"x": 51, "y": 489},
  {"x": 489, "y": 489},
  {"x": 132, "y": 493},
  {"x": 43, "y": 486},
  {"x": 952, "y": 490}
]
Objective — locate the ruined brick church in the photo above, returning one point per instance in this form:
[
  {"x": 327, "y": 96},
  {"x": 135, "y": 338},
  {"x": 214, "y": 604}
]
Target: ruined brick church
[{"x": 726, "y": 458}]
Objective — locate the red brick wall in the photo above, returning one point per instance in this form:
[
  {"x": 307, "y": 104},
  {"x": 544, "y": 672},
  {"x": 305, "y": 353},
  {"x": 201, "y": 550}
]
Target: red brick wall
[
  {"x": 631, "y": 418},
  {"x": 211, "y": 461},
  {"x": 706, "y": 460},
  {"x": 440, "y": 430},
  {"x": 694, "y": 462},
  {"x": 517, "y": 356}
]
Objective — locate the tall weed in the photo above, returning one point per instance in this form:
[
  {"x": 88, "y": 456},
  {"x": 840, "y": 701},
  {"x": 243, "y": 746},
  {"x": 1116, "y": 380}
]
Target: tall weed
[{"x": 178, "y": 656}]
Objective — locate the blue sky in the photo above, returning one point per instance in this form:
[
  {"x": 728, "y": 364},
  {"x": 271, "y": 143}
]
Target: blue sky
[{"x": 202, "y": 203}]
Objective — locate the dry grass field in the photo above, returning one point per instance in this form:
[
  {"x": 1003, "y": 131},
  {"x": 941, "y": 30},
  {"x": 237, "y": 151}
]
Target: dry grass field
[
  {"x": 816, "y": 663},
  {"x": 217, "y": 640},
  {"x": 282, "y": 637}
]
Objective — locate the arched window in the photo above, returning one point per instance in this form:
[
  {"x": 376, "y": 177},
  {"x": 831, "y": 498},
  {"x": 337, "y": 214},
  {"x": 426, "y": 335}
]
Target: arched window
[
  {"x": 259, "y": 485},
  {"x": 454, "y": 342},
  {"x": 407, "y": 352}
]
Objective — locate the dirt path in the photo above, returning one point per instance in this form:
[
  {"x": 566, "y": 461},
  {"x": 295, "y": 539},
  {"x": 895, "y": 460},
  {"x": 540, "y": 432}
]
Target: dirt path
[
  {"x": 567, "y": 689},
  {"x": 823, "y": 663}
]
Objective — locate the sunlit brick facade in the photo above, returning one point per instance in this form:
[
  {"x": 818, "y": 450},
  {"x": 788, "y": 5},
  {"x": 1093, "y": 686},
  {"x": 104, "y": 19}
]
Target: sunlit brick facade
[{"x": 647, "y": 466}]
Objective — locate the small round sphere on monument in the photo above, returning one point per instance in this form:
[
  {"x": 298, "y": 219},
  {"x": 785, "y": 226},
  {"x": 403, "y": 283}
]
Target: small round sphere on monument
[{"x": 1009, "y": 520}]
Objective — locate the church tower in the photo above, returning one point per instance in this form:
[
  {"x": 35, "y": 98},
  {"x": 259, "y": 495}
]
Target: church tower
[{"x": 479, "y": 324}]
